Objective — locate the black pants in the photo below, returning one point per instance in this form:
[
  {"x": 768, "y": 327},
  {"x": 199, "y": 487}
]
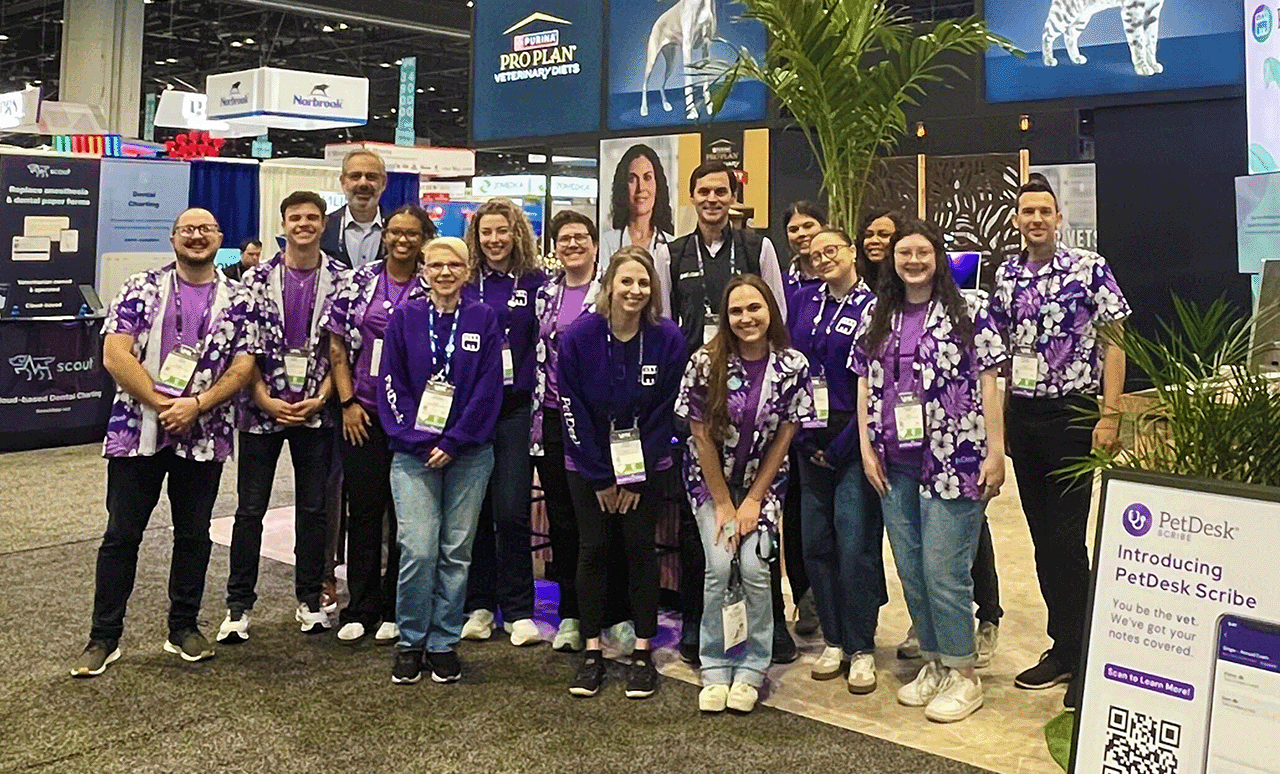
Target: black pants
[
  {"x": 133, "y": 489},
  {"x": 595, "y": 530},
  {"x": 1045, "y": 435},
  {"x": 693, "y": 561},
  {"x": 311, "y": 450},
  {"x": 563, "y": 522},
  {"x": 367, "y": 471},
  {"x": 792, "y": 546},
  {"x": 986, "y": 583}
]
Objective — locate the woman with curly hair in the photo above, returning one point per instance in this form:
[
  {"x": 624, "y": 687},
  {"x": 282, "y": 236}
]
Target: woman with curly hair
[{"x": 640, "y": 213}]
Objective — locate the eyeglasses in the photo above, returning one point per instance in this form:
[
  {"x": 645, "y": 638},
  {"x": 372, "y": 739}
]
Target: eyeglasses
[
  {"x": 205, "y": 229},
  {"x": 568, "y": 239},
  {"x": 396, "y": 233},
  {"x": 830, "y": 252},
  {"x": 454, "y": 267}
]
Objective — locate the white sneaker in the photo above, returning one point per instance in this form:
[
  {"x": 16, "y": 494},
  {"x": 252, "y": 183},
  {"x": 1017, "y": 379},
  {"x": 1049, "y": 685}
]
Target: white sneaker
[
  {"x": 352, "y": 632},
  {"x": 862, "y": 674},
  {"x": 742, "y": 697},
  {"x": 713, "y": 698},
  {"x": 828, "y": 665},
  {"x": 959, "y": 698},
  {"x": 234, "y": 630},
  {"x": 387, "y": 633},
  {"x": 921, "y": 690},
  {"x": 523, "y": 632},
  {"x": 623, "y": 635},
  {"x": 479, "y": 625},
  {"x": 910, "y": 647},
  {"x": 310, "y": 622},
  {"x": 984, "y": 643},
  {"x": 568, "y": 637}
]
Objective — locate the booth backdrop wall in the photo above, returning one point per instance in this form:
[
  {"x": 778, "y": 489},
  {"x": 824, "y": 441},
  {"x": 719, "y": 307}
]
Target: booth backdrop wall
[{"x": 230, "y": 191}]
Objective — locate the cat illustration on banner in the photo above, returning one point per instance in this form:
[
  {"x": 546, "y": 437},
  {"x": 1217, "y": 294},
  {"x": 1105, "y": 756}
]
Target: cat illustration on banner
[{"x": 1068, "y": 19}]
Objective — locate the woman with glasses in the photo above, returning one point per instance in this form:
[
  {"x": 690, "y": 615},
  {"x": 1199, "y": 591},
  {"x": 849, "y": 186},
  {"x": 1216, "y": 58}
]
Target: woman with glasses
[
  {"x": 744, "y": 394},
  {"x": 358, "y": 322},
  {"x": 842, "y": 529},
  {"x": 931, "y": 427},
  {"x": 619, "y": 370},
  {"x": 505, "y": 276},
  {"x": 438, "y": 400}
]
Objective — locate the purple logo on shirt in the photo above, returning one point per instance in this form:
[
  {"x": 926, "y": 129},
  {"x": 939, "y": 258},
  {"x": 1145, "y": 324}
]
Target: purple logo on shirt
[{"x": 1137, "y": 519}]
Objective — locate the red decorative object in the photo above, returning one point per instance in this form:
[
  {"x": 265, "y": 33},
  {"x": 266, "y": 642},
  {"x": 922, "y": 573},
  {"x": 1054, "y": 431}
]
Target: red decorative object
[{"x": 194, "y": 145}]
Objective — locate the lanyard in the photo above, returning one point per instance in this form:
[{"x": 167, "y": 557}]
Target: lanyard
[
  {"x": 897, "y": 336},
  {"x": 1036, "y": 318},
  {"x": 177, "y": 307},
  {"x": 635, "y": 413},
  {"x": 386, "y": 279},
  {"x": 284, "y": 294},
  {"x": 820, "y": 343},
  {"x": 702, "y": 268},
  {"x": 445, "y": 370}
]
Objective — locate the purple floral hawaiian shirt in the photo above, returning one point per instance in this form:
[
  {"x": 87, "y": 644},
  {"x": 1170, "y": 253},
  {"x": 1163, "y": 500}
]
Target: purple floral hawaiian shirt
[
  {"x": 345, "y": 316},
  {"x": 1055, "y": 311},
  {"x": 947, "y": 371},
  {"x": 138, "y": 311},
  {"x": 546, "y": 308}
]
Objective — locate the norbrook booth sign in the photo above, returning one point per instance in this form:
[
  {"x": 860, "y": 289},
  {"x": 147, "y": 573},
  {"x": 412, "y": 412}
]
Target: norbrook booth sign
[{"x": 287, "y": 99}]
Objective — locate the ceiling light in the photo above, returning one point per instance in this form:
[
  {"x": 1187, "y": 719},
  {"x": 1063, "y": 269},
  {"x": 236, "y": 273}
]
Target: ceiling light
[
  {"x": 37, "y": 81},
  {"x": 342, "y": 25},
  {"x": 393, "y": 110},
  {"x": 171, "y": 60},
  {"x": 3, "y": 37},
  {"x": 160, "y": 61},
  {"x": 248, "y": 41},
  {"x": 399, "y": 62},
  {"x": 385, "y": 64},
  {"x": 455, "y": 110},
  {"x": 431, "y": 88},
  {"x": 470, "y": 3},
  {"x": 326, "y": 28},
  {"x": 236, "y": 44},
  {"x": 419, "y": 91}
]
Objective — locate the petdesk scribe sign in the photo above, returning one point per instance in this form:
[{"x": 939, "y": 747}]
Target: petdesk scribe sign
[
  {"x": 1183, "y": 665},
  {"x": 287, "y": 99}
]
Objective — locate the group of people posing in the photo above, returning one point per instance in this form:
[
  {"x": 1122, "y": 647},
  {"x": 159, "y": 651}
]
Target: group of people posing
[{"x": 857, "y": 393}]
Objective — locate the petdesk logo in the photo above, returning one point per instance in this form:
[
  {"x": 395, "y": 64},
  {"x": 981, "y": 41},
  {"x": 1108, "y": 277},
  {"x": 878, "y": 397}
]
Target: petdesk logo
[
  {"x": 1184, "y": 528},
  {"x": 318, "y": 97},
  {"x": 1137, "y": 519},
  {"x": 1263, "y": 23},
  {"x": 234, "y": 96}
]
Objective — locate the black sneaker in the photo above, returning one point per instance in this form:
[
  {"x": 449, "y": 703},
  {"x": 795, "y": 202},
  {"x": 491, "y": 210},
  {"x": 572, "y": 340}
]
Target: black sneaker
[
  {"x": 1071, "y": 700},
  {"x": 445, "y": 667},
  {"x": 190, "y": 644},
  {"x": 642, "y": 679},
  {"x": 689, "y": 653},
  {"x": 1048, "y": 673},
  {"x": 407, "y": 668},
  {"x": 95, "y": 658},
  {"x": 784, "y": 648},
  {"x": 590, "y": 675}
]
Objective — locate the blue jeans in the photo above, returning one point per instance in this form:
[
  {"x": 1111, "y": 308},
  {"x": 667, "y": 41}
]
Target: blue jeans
[
  {"x": 842, "y": 530},
  {"x": 749, "y": 664},
  {"x": 934, "y": 542},
  {"x": 436, "y": 515}
]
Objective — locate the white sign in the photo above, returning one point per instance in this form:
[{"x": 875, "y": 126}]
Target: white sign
[
  {"x": 574, "y": 187},
  {"x": 1076, "y": 186},
  {"x": 1262, "y": 84},
  {"x": 451, "y": 188},
  {"x": 509, "y": 185},
  {"x": 437, "y": 162},
  {"x": 288, "y": 99},
  {"x": 1183, "y": 668},
  {"x": 18, "y": 108}
]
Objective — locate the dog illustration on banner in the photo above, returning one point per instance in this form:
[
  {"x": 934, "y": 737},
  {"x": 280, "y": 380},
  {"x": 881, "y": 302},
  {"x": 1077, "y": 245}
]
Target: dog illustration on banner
[
  {"x": 687, "y": 25},
  {"x": 34, "y": 368},
  {"x": 1068, "y": 19}
]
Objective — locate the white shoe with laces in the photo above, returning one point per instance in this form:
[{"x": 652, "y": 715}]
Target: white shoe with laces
[
  {"x": 862, "y": 674},
  {"x": 959, "y": 698},
  {"x": 479, "y": 625},
  {"x": 984, "y": 643},
  {"x": 920, "y": 691},
  {"x": 235, "y": 628},
  {"x": 351, "y": 632},
  {"x": 523, "y": 632}
]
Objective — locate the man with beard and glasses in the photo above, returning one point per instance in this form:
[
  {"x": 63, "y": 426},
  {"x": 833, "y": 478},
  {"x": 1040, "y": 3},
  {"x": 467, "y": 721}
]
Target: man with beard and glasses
[
  {"x": 292, "y": 295},
  {"x": 180, "y": 342}
]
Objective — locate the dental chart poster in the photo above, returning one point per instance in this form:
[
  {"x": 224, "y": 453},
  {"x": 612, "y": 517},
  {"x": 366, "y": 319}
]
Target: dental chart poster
[{"x": 1183, "y": 665}]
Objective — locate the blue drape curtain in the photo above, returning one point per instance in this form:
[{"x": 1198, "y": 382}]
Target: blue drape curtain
[
  {"x": 230, "y": 192},
  {"x": 402, "y": 189}
]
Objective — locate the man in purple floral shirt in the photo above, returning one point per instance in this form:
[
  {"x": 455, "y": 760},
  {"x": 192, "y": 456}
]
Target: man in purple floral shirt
[
  {"x": 1053, "y": 305},
  {"x": 179, "y": 344}
]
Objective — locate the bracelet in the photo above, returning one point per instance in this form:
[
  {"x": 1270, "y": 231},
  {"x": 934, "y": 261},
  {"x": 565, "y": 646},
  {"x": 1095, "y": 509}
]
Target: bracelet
[{"x": 349, "y": 402}]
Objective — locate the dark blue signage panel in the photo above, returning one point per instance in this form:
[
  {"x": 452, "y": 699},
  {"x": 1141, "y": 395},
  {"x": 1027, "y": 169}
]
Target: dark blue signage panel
[{"x": 537, "y": 68}]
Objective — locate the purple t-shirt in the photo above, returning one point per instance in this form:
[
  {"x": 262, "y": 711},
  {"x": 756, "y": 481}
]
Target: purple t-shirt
[
  {"x": 570, "y": 310},
  {"x": 902, "y": 347},
  {"x": 299, "y": 303},
  {"x": 755, "y": 382},
  {"x": 195, "y": 301},
  {"x": 387, "y": 295}
]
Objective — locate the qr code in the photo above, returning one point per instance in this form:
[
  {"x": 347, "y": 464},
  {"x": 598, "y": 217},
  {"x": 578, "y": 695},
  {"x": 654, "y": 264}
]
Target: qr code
[{"x": 1140, "y": 744}]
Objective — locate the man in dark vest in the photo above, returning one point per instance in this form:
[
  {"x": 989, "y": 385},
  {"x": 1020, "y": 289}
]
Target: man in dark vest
[{"x": 701, "y": 264}]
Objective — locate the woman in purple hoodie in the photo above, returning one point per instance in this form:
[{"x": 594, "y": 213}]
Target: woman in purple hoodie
[
  {"x": 619, "y": 370},
  {"x": 439, "y": 402}
]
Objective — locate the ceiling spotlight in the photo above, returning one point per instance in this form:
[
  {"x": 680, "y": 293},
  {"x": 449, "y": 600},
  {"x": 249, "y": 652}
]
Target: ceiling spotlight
[
  {"x": 399, "y": 62},
  {"x": 419, "y": 91},
  {"x": 470, "y": 3},
  {"x": 455, "y": 110},
  {"x": 326, "y": 28},
  {"x": 171, "y": 60},
  {"x": 431, "y": 88},
  {"x": 3, "y": 38},
  {"x": 37, "y": 81},
  {"x": 342, "y": 25},
  {"x": 236, "y": 44},
  {"x": 384, "y": 64},
  {"x": 248, "y": 41},
  {"x": 159, "y": 61}
]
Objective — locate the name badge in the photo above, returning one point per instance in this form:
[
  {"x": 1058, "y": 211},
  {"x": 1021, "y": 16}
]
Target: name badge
[
  {"x": 710, "y": 327},
  {"x": 177, "y": 370},
  {"x": 908, "y": 417},
  {"x": 296, "y": 363},
  {"x": 375, "y": 362},
  {"x": 1026, "y": 374},
  {"x": 508, "y": 367},
  {"x": 628, "y": 456},
  {"x": 434, "y": 407},
  {"x": 821, "y": 402}
]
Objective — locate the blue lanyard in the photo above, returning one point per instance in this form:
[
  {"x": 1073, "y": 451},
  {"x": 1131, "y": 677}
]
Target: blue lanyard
[
  {"x": 635, "y": 413},
  {"x": 446, "y": 369}
]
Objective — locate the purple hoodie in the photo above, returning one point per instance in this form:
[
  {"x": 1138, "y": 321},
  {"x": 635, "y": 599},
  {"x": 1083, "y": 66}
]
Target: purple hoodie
[
  {"x": 475, "y": 373},
  {"x": 512, "y": 299},
  {"x": 598, "y": 382}
]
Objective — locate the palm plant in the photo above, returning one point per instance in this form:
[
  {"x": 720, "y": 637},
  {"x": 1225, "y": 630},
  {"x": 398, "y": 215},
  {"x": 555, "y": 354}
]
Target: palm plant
[
  {"x": 846, "y": 70},
  {"x": 1208, "y": 413}
]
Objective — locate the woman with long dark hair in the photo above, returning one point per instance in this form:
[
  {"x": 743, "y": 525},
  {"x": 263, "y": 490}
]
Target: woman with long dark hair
[
  {"x": 744, "y": 393},
  {"x": 802, "y": 220},
  {"x": 640, "y": 213},
  {"x": 931, "y": 426}
]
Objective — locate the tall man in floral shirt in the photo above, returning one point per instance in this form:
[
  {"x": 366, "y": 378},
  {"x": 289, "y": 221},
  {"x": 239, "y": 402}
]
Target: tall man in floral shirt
[
  {"x": 179, "y": 344},
  {"x": 1053, "y": 304},
  {"x": 285, "y": 402}
]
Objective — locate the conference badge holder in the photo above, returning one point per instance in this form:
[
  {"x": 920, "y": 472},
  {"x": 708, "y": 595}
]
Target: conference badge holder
[
  {"x": 734, "y": 611},
  {"x": 1026, "y": 374},
  {"x": 710, "y": 327},
  {"x": 434, "y": 407},
  {"x": 508, "y": 367},
  {"x": 821, "y": 401},
  {"x": 177, "y": 370},
  {"x": 908, "y": 417},
  {"x": 296, "y": 362},
  {"x": 375, "y": 362},
  {"x": 628, "y": 456}
]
